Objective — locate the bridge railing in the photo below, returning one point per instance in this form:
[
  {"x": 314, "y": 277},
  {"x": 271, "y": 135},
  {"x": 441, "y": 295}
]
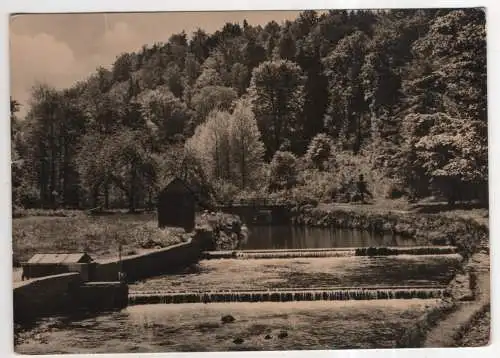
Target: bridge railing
[{"x": 250, "y": 202}]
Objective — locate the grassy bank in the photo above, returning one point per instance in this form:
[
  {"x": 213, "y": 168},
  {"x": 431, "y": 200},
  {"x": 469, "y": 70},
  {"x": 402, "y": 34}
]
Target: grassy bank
[
  {"x": 38, "y": 231},
  {"x": 466, "y": 228},
  {"x": 98, "y": 236},
  {"x": 468, "y": 233}
]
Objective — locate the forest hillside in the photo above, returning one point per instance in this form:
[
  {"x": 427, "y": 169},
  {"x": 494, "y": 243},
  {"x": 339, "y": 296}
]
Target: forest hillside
[{"x": 293, "y": 111}]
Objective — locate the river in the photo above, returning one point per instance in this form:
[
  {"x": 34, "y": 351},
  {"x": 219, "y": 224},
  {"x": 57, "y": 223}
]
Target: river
[
  {"x": 263, "y": 325},
  {"x": 297, "y": 237}
]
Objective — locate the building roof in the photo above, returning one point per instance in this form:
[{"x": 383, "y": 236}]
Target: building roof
[
  {"x": 74, "y": 258},
  {"x": 173, "y": 180}
]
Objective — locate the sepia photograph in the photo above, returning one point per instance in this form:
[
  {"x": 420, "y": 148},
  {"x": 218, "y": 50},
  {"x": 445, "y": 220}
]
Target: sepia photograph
[{"x": 218, "y": 181}]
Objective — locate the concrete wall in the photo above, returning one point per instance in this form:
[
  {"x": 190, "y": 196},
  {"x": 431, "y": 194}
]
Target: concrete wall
[
  {"x": 46, "y": 295},
  {"x": 69, "y": 292},
  {"x": 155, "y": 263},
  {"x": 99, "y": 296}
]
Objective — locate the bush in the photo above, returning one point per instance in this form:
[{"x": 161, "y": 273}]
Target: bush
[
  {"x": 282, "y": 171},
  {"x": 149, "y": 236},
  {"x": 26, "y": 196},
  {"x": 395, "y": 191},
  {"x": 319, "y": 151},
  {"x": 315, "y": 186},
  {"x": 225, "y": 192}
]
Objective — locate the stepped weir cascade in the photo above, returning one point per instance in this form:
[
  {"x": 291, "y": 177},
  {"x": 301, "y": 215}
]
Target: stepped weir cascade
[
  {"x": 289, "y": 295},
  {"x": 332, "y": 266},
  {"x": 273, "y": 281},
  {"x": 331, "y": 252}
]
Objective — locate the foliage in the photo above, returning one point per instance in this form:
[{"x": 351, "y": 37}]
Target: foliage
[
  {"x": 346, "y": 106},
  {"x": 277, "y": 94},
  {"x": 397, "y": 95},
  {"x": 212, "y": 98},
  {"x": 319, "y": 151},
  {"x": 282, "y": 171},
  {"x": 448, "y": 152},
  {"x": 247, "y": 149},
  {"x": 210, "y": 145},
  {"x": 228, "y": 146},
  {"x": 166, "y": 115}
]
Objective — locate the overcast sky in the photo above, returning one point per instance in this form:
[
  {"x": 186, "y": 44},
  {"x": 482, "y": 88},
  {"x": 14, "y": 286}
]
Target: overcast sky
[{"x": 59, "y": 49}]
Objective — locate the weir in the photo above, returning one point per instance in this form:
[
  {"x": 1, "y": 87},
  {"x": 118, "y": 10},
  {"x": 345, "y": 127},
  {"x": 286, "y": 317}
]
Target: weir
[
  {"x": 336, "y": 294},
  {"x": 331, "y": 252}
]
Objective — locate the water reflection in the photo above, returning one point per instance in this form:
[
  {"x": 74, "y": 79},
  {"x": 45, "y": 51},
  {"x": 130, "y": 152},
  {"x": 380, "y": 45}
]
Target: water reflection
[{"x": 293, "y": 237}]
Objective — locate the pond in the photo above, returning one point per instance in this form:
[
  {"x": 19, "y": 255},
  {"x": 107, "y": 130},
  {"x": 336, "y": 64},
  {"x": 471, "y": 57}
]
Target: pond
[{"x": 297, "y": 237}]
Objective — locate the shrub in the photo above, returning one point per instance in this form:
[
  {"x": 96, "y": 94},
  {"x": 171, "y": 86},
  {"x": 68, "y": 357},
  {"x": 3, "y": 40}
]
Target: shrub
[
  {"x": 225, "y": 192},
  {"x": 395, "y": 191},
  {"x": 315, "y": 186},
  {"x": 227, "y": 229},
  {"x": 283, "y": 171},
  {"x": 319, "y": 151},
  {"x": 26, "y": 196}
]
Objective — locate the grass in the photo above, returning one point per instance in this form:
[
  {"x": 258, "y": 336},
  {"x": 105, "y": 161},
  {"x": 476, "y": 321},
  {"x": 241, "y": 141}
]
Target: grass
[
  {"x": 21, "y": 213},
  {"x": 198, "y": 327},
  {"x": 98, "y": 236}
]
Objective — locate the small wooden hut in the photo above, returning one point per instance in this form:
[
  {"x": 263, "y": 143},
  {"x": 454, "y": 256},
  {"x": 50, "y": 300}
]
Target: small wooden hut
[
  {"x": 53, "y": 264},
  {"x": 177, "y": 205}
]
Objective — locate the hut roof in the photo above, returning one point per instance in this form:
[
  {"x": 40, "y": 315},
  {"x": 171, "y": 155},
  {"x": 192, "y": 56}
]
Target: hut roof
[
  {"x": 74, "y": 258},
  {"x": 173, "y": 180}
]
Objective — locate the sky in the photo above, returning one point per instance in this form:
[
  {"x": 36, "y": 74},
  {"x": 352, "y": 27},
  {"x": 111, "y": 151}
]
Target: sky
[{"x": 59, "y": 49}]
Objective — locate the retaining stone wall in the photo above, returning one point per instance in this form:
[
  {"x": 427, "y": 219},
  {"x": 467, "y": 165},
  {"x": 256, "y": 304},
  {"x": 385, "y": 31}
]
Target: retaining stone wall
[{"x": 45, "y": 295}]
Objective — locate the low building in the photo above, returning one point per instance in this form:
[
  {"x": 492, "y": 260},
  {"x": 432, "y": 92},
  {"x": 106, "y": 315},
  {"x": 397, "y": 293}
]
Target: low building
[
  {"x": 177, "y": 205},
  {"x": 53, "y": 264}
]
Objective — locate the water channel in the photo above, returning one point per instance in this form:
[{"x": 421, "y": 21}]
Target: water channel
[
  {"x": 260, "y": 325},
  {"x": 267, "y": 237}
]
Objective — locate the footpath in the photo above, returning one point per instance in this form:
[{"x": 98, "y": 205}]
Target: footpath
[
  {"x": 469, "y": 323},
  {"x": 447, "y": 331}
]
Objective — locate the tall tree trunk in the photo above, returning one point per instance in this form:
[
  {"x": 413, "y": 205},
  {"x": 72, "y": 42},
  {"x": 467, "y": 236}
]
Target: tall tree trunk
[
  {"x": 106, "y": 194},
  {"x": 243, "y": 167},
  {"x": 53, "y": 158},
  {"x": 95, "y": 197},
  {"x": 357, "y": 145},
  {"x": 43, "y": 181},
  {"x": 132, "y": 191}
]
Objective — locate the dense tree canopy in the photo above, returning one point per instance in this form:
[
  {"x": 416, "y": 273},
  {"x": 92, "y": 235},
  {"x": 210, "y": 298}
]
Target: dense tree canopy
[{"x": 399, "y": 95}]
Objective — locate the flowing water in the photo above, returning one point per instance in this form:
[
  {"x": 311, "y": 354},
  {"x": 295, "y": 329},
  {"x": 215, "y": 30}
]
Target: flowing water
[
  {"x": 354, "y": 300},
  {"x": 293, "y": 237},
  {"x": 300, "y": 273},
  {"x": 339, "y": 294},
  {"x": 257, "y": 326}
]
